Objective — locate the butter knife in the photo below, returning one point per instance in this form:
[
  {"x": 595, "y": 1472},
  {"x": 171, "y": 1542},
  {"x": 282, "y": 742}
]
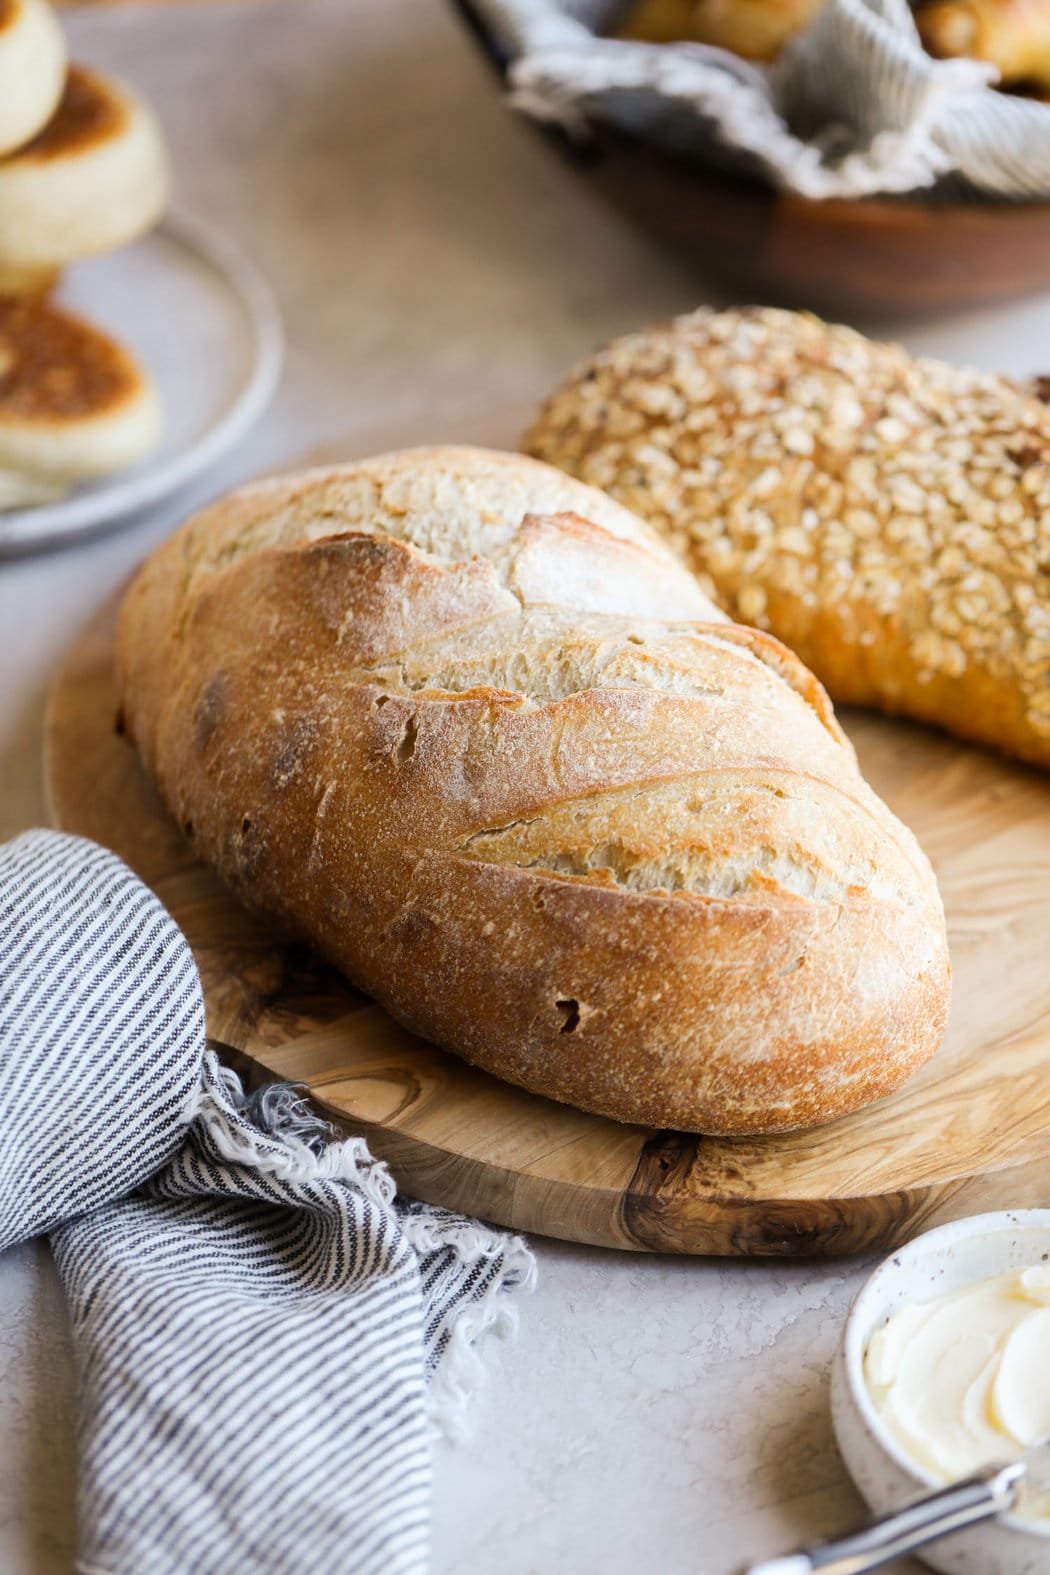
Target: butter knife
[{"x": 994, "y": 1491}]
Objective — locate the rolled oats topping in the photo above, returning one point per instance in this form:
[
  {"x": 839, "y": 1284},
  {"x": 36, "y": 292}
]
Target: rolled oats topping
[{"x": 807, "y": 473}]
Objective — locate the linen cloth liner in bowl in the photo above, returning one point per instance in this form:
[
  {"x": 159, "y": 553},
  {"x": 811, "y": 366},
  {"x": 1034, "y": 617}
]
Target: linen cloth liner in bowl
[
  {"x": 852, "y": 107},
  {"x": 261, "y": 1327}
]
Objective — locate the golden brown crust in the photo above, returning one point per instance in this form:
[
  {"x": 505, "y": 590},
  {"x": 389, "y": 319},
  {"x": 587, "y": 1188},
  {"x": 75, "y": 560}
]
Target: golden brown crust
[
  {"x": 89, "y": 113},
  {"x": 887, "y": 517},
  {"x": 27, "y": 284},
  {"x": 619, "y": 856},
  {"x": 1013, "y": 35},
  {"x": 54, "y": 368},
  {"x": 756, "y": 29}
]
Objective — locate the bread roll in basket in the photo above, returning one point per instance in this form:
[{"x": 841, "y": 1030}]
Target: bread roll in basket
[{"x": 467, "y": 726}]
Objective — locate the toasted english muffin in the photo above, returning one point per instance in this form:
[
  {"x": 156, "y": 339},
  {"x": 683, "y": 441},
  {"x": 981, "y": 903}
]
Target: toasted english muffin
[
  {"x": 73, "y": 404},
  {"x": 27, "y": 281},
  {"x": 21, "y": 491},
  {"x": 32, "y": 69},
  {"x": 95, "y": 177}
]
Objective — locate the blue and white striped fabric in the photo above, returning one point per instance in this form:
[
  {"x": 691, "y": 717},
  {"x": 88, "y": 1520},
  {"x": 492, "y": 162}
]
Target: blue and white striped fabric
[
  {"x": 263, "y": 1330},
  {"x": 854, "y": 106},
  {"x": 101, "y": 1032}
]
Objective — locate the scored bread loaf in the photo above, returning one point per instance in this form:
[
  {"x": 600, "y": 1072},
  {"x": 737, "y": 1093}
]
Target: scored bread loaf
[
  {"x": 886, "y": 516},
  {"x": 468, "y": 727}
]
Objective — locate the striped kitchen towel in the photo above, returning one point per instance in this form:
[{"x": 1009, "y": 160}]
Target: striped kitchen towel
[
  {"x": 264, "y": 1331},
  {"x": 853, "y": 106}
]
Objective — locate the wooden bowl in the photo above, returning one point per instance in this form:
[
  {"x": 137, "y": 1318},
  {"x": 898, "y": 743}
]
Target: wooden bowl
[{"x": 895, "y": 255}]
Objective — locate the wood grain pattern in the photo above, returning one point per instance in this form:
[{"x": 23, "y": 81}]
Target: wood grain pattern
[
  {"x": 905, "y": 255},
  {"x": 971, "y": 1131}
]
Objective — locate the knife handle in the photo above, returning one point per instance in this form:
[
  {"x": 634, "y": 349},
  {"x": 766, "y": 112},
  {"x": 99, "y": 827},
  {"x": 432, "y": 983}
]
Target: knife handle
[{"x": 987, "y": 1493}]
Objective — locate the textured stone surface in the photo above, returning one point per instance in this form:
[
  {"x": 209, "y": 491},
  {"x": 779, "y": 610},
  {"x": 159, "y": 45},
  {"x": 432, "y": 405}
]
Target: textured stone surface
[{"x": 439, "y": 272}]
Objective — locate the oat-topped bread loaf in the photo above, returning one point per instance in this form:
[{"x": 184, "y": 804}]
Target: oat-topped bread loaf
[
  {"x": 467, "y": 726},
  {"x": 887, "y": 517}
]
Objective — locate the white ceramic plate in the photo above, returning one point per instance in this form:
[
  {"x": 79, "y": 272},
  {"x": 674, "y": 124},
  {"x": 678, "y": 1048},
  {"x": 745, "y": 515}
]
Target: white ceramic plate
[{"x": 204, "y": 321}]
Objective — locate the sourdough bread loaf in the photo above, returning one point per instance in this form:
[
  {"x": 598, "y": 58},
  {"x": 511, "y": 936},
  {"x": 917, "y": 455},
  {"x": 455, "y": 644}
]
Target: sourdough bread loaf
[
  {"x": 886, "y": 516},
  {"x": 468, "y": 727}
]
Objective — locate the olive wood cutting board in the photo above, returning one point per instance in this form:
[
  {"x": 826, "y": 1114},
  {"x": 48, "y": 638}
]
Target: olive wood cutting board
[{"x": 970, "y": 1131}]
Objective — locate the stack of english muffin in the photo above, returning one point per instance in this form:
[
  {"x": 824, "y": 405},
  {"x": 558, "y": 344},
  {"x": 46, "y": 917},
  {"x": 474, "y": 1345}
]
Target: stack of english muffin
[{"x": 82, "y": 170}]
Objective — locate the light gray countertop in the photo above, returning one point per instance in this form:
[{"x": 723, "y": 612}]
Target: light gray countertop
[{"x": 438, "y": 270}]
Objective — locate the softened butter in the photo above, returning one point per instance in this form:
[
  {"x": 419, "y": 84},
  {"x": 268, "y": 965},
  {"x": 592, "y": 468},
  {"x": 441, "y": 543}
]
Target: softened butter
[{"x": 964, "y": 1381}]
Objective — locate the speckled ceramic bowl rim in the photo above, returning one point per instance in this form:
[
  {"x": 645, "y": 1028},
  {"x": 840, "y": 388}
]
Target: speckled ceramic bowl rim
[{"x": 858, "y": 1326}]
